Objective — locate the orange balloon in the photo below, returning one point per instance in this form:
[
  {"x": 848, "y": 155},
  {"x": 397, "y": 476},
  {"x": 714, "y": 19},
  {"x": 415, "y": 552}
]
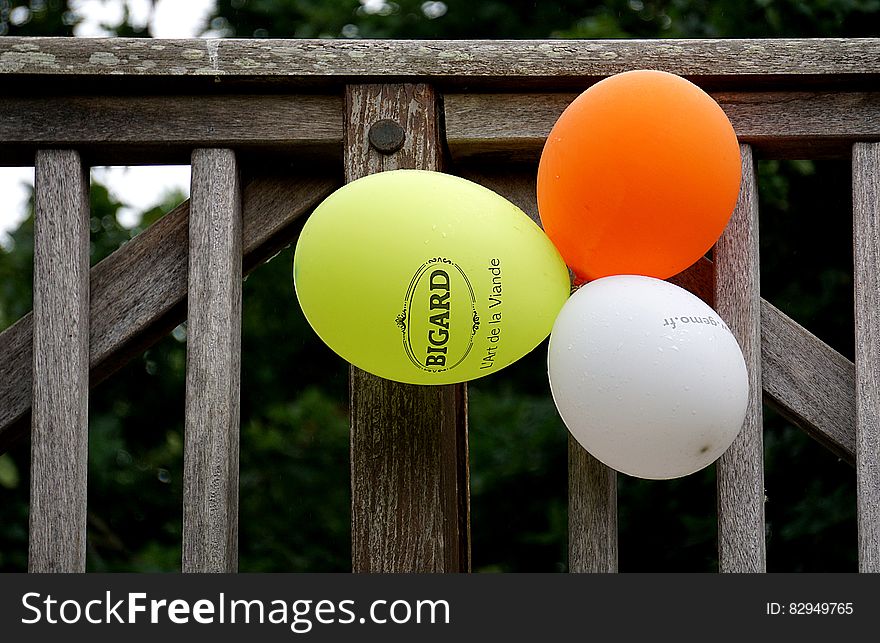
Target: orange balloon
[{"x": 639, "y": 175}]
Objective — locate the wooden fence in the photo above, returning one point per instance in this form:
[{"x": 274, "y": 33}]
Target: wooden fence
[{"x": 235, "y": 109}]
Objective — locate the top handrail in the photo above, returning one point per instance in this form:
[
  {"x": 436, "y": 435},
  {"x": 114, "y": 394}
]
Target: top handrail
[{"x": 721, "y": 64}]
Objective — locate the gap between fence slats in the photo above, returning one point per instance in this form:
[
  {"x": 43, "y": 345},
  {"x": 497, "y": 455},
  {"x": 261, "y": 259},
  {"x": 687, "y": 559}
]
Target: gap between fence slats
[
  {"x": 740, "y": 470},
  {"x": 866, "y": 244},
  {"x": 59, "y": 435},
  {"x": 409, "y": 463},
  {"x": 213, "y": 365},
  {"x": 138, "y": 292}
]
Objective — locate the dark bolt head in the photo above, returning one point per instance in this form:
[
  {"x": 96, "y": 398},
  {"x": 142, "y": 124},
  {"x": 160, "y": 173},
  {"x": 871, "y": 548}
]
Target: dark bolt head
[{"x": 386, "y": 136}]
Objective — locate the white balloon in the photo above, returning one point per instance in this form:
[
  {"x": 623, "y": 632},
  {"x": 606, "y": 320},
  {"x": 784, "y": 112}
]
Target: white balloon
[{"x": 646, "y": 376}]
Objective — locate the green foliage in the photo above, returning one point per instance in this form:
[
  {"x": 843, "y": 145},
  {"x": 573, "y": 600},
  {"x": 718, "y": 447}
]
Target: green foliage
[
  {"x": 519, "y": 478},
  {"x": 564, "y": 19},
  {"x": 37, "y": 18}
]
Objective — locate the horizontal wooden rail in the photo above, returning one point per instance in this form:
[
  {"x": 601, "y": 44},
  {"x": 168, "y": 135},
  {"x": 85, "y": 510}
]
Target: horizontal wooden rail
[
  {"x": 775, "y": 124},
  {"x": 502, "y": 63},
  {"x": 164, "y": 129},
  {"x": 511, "y": 127},
  {"x": 138, "y": 294}
]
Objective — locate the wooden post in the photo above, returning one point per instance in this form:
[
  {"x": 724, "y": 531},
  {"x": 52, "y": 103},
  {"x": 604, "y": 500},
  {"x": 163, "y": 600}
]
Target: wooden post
[
  {"x": 592, "y": 513},
  {"x": 740, "y": 469},
  {"x": 213, "y": 365},
  {"x": 59, "y": 434},
  {"x": 866, "y": 251},
  {"x": 409, "y": 463}
]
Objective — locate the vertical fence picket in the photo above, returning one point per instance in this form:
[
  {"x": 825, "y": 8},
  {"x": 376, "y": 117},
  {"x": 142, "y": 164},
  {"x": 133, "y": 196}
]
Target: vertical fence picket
[
  {"x": 740, "y": 471},
  {"x": 866, "y": 254},
  {"x": 409, "y": 464},
  {"x": 592, "y": 513},
  {"x": 213, "y": 365},
  {"x": 59, "y": 436}
]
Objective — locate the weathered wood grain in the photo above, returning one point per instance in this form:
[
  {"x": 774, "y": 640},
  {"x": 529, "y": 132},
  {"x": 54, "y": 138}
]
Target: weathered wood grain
[
  {"x": 409, "y": 464},
  {"x": 592, "y": 513},
  {"x": 505, "y": 63},
  {"x": 804, "y": 378},
  {"x": 138, "y": 294},
  {"x": 165, "y": 128},
  {"x": 213, "y": 365},
  {"x": 808, "y": 382},
  {"x": 504, "y": 127},
  {"x": 740, "y": 469},
  {"x": 59, "y": 434},
  {"x": 777, "y": 124},
  {"x": 866, "y": 245}
]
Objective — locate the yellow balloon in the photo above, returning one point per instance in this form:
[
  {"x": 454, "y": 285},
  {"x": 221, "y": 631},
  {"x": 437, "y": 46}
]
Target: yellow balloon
[{"x": 427, "y": 278}]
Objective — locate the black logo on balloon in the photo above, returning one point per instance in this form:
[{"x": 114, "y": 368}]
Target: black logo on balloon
[{"x": 439, "y": 319}]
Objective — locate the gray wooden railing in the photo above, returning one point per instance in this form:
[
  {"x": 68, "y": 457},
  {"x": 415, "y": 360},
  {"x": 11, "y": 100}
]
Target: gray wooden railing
[{"x": 477, "y": 109}]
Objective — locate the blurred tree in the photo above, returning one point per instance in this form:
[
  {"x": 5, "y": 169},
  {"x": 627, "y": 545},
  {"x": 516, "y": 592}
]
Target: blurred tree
[
  {"x": 294, "y": 451},
  {"x": 529, "y": 19},
  {"x": 37, "y": 18}
]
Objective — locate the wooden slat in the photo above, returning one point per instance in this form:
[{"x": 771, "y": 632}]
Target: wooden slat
[
  {"x": 213, "y": 365},
  {"x": 804, "y": 378},
  {"x": 409, "y": 468},
  {"x": 777, "y": 124},
  {"x": 165, "y": 128},
  {"x": 740, "y": 470},
  {"x": 138, "y": 293},
  {"x": 808, "y": 382},
  {"x": 59, "y": 436},
  {"x": 592, "y": 513},
  {"x": 866, "y": 244},
  {"x": 504, "y": 63},
  {"x": 148, "y": 129}
]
